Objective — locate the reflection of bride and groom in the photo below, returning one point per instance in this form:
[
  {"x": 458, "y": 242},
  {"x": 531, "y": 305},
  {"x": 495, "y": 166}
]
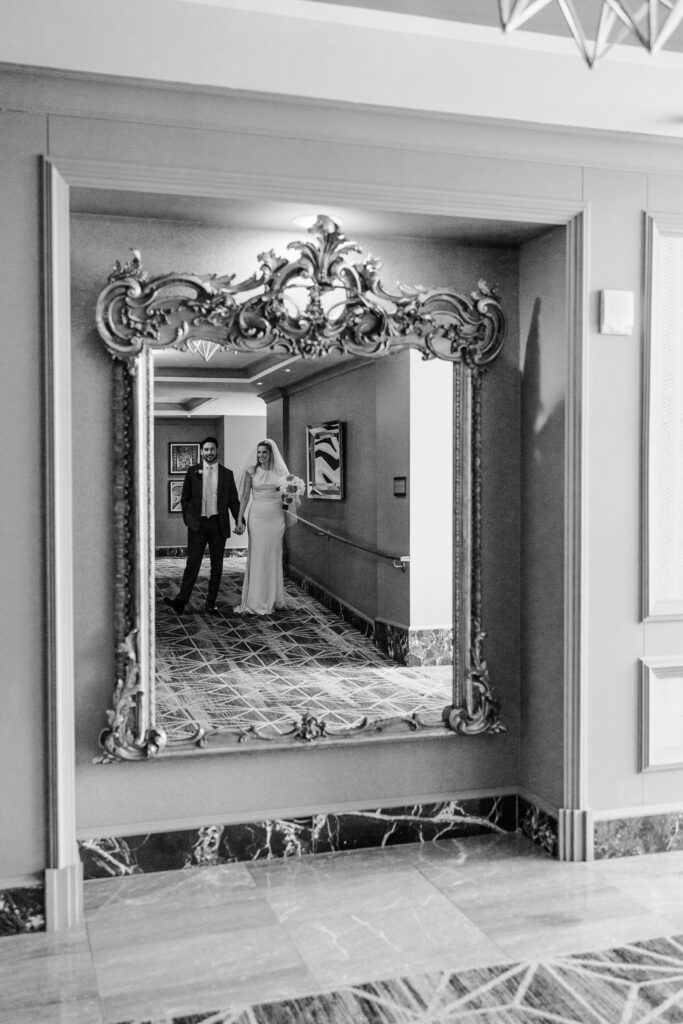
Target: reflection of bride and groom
[{"x": 210, "y": 496}]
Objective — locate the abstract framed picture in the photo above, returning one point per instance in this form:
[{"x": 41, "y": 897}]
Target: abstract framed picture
[
  {"x": 175, "y": 489},
  {"x": 325, "y": 461},
  {"x": 182, "y": 455}
]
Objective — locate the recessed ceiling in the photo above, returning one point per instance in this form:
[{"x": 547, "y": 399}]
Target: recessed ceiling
[{"x": 280, "y": 216}]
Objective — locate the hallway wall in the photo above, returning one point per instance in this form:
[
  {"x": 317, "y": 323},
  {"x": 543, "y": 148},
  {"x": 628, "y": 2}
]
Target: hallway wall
[{"x": 334, "y": 150}]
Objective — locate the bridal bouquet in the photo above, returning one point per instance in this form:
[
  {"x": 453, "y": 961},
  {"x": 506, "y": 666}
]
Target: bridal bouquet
[{"x": 290, "y": 487}]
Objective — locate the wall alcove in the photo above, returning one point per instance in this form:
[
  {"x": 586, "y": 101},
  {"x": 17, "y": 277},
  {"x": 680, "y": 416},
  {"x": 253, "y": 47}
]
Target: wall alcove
[
  {"x": 79, "y": 212},
  {"x": 410, "y": 416}
]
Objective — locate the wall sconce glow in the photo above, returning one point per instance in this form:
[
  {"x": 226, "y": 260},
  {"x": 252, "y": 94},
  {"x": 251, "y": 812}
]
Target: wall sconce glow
[
  {"x": 651, "y": 25},
  {"x": 307, "y": 220}
]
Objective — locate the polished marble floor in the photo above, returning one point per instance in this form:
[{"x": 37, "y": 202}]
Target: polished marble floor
[{"x": 486, "y": 929}]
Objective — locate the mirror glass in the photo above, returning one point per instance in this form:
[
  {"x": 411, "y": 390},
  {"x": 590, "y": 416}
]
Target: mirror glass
[{"x": 366, "y": 635}]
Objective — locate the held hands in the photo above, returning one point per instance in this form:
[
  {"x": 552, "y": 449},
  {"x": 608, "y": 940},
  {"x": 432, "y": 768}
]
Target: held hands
[{"x": 239, "y": 526}]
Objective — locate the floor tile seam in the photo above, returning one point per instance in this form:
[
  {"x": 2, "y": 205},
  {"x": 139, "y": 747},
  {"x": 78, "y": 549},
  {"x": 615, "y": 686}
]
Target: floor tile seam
[
  {"x": 433, "y": 949},
  {"x": 96, "y": 975},
  {"x": 102, "y": 957},
  {"x": 564, "y": 898},
  {"x": 336, "y": 899}
]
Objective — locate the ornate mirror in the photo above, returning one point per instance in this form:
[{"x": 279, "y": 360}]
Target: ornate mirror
[{"x": 323, "y": 309}]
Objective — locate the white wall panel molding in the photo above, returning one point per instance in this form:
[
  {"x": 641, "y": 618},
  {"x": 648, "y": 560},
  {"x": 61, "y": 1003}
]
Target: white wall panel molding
[
  {"x": 662, "y": 472},
  {"x": 661, "y": 713}
]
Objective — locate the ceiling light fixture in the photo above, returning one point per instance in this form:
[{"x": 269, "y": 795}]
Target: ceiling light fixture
[{"x": 652, "y": 24}]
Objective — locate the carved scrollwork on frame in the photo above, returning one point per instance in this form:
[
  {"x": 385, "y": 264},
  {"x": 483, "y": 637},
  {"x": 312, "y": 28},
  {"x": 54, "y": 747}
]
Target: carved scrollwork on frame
[
  {"x": 309, "y": 306},
  {"x": 312, "y": 302}
]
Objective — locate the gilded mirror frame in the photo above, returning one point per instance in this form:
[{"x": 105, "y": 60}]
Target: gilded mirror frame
[{"x": 137, "y": 316}]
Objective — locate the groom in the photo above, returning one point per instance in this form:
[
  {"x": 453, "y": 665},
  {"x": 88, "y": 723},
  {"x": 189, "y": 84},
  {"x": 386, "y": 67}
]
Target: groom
[{"x": 209, "y": 494}]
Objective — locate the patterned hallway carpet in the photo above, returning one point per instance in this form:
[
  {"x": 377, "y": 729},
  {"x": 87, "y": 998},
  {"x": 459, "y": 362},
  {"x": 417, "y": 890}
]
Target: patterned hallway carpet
[
  {"x": 641, "y": 983},
  {"x": 227, "y": 671}
]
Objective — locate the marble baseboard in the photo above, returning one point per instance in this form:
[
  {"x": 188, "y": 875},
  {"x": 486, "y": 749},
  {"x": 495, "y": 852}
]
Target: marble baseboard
[
  {"x": 273, "y": 839},
  {"x": 537, "y": 826},
  {"x": 392, "y": 641},
  {"x": 430, "y": 647},
  {"x": 335, "y": 604},
  {"x": 405, "y": 646},
  {"x": 181, "y": 552},
  {"x": 418, "y": 648},
  {"x": 22, "y": 910},
  {"x": 631, "y": 837}
]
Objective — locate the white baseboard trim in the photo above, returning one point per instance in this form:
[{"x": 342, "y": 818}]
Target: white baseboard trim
[
  {"x": 63, "y": 897},
  {"x": 575, "y": 830}
]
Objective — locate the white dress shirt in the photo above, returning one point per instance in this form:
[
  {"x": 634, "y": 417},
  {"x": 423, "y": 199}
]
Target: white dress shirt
[{"x": 209, "y": 489}]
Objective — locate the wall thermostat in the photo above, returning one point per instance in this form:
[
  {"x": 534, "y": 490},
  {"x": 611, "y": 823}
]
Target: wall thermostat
[{"x": 616, "y": 312}]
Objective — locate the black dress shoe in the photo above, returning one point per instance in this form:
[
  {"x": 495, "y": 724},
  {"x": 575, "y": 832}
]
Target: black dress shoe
[
  {"x": 211, "y": 606},
  {"x": 175, "y": 604}
]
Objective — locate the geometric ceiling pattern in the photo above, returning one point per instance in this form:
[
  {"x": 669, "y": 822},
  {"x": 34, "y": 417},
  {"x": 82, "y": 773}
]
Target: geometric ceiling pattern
[{"x": 650, "y": 24}]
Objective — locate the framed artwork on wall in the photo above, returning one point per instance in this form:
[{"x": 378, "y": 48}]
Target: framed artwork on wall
[
  {"x": 325, "y": 461},
  {"x": 175, "y": 489},
  {"x": 182, "y": 455}
]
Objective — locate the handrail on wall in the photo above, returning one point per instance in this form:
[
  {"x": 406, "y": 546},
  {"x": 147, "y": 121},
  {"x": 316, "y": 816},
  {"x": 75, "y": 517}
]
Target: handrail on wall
[{"x": 398, "y": 561}]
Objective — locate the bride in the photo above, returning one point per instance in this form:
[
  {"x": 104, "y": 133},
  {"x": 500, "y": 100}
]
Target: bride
[{"x": 263, "y": 590}]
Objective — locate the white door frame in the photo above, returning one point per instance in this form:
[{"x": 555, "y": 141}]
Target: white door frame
[{"x": 64, "y": 873}]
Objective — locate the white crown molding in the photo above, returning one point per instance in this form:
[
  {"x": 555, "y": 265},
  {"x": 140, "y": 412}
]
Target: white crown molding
[
  {"x": 134, "y": 101},
  {"x": 228, "y": 184},
  {"x": 454, "y": 67}
]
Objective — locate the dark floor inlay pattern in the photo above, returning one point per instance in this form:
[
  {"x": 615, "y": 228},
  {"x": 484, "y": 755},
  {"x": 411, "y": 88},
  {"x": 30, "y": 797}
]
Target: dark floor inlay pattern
[
  {"x": 641, "y": 983},
  {"x": 227, "y": 671}
]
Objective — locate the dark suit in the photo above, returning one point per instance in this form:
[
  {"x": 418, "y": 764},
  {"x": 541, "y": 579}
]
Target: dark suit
[{"x": 203, "y": 530}]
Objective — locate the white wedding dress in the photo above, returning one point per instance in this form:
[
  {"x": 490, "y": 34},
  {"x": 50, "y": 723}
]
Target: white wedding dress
[{"x": 263, "y": 590}]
